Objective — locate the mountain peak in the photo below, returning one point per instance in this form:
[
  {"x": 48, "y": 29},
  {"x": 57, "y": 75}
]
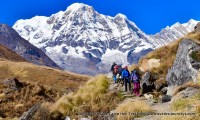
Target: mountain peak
[
  {"x": 121, "y": 16},
  {"x": 177, "y": 24},
  {"x": 77, "y": 6},
  {"x": 192, "y": 21}
]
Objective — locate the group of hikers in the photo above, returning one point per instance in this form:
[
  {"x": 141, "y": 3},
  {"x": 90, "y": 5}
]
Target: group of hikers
[{"x": 123, "y": 76}]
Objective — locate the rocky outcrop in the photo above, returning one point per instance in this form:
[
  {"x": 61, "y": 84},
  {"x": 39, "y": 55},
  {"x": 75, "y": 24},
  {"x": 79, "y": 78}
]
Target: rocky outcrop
[{"x": 186, "y": 65}]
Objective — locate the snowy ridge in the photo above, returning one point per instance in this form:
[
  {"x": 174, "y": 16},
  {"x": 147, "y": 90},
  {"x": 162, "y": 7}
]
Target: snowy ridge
[
  {"x": 81, "y": 37},
  {"x": 174, "y": 32}
]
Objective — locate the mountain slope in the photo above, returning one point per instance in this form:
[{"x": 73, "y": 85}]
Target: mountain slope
[
  {"x": 7, "y": 54},
  {"x": 82, "y": 38},
  {"x": 11, "y": 39}
]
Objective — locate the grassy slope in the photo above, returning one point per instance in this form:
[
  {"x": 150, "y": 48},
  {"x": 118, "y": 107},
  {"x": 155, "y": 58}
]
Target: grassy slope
[
  {"x": 41, "y": 84},
  {"x": 46, "y": 76}
]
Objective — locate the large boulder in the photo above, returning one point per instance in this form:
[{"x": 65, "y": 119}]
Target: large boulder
[
  {"x": 186, "y": 65},
  {"x": 147, "y": 85}
]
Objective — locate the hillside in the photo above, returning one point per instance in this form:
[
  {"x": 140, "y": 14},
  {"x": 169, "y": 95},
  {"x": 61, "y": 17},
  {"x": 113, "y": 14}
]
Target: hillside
[
  {"x": 35, "y": 84},
  {"x": 7, "y": 54}
]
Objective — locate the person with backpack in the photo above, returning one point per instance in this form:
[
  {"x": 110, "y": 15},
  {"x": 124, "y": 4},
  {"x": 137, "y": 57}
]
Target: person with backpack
[
  {"x": 126, "y": 78},
  {"x": 112, "y": 67},
  {"x": 119, "y": 74},
  {"x": 136, "y": 81},
  {"x": 114, "y": 71}
]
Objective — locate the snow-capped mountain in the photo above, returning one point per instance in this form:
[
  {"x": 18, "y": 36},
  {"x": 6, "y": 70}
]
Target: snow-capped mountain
[
  {"x": 84, "y": 41},
  {"x": 174, "y": 32}
]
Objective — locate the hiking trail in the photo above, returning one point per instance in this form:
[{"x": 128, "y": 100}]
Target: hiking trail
[{"x": 129, "y": 96}]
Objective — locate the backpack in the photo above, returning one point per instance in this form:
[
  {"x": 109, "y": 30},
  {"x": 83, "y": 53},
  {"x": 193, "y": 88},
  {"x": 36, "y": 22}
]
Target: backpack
[
  {"x": 126, "y": 74},
  {"x": 115, "y": 71},
  {"x": 120, "y": 70},
  {"x": 135, "y": 76}
]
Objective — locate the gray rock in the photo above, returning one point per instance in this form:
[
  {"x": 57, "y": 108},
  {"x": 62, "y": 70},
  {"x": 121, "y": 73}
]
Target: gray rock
[
  {"x": 164, "y": 90},
  {"x": 185, "y": 67},
  {"x": 27, "y": 115},
  {"x": 188, "y": 92},
  {"x": 147, "y": 86},
  {"x": 166, "y": 98}
]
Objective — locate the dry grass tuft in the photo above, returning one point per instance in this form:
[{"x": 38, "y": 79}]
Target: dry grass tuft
[
  {"x": 2, "y": 95},
  {"x": 92, "y": 97},
  {"x": 9, "y": 118},
  {"x": 195, "y": 36},
  {"x": 180, "y": 104},
  {"x": 131, "y": 107}
]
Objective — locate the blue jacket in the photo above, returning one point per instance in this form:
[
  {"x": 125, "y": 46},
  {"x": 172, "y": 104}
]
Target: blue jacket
[{"x": 125, "y": 74}]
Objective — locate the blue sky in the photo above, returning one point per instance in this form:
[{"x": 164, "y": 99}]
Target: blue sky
[{"x": 149, "y": 15}]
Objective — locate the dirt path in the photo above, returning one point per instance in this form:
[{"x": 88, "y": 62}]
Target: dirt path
[{"x": 156, "y": 107}]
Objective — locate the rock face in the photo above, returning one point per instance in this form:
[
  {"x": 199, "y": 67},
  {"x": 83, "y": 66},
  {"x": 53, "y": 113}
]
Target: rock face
[
  {"x": 12, "y": 40},
  {"x": 186, "y": 65},
  {"x": 81, "y": 37}
]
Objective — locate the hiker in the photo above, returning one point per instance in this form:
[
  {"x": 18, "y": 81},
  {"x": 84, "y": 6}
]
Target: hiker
[
  {"x": 126, "y": 78},
  {"x": 120, "y": 70},
  {"x": 136, "y": 81},
  {"x": 115, "y": 71},
  {"x": 112, "y": 67},
  {"x": 119, "y": 74}
]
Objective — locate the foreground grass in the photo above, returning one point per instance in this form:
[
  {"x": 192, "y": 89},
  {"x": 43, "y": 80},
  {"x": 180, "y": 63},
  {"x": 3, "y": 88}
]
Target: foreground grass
[
  {"x": 92, "y": 97},
  {"x": 128, "y": 109},
  {"x": 185, "y": 105}
]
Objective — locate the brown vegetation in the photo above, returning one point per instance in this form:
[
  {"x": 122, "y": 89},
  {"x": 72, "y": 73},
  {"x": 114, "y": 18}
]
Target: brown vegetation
[
  {"x": 90, "y": 98},
  {"x": 46, "y": 76},
  {"x": 40, "y": 85}
]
